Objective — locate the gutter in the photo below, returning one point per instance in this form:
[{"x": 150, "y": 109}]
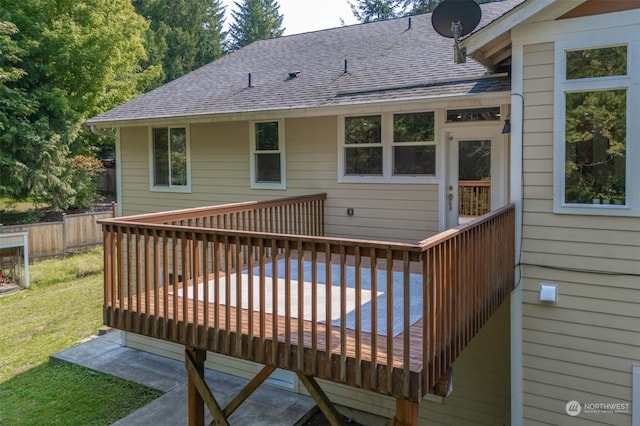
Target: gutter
[{"x": 95, "y": 130}]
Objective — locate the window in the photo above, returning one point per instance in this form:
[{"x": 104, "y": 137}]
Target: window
[
  {"x": 170, "y": 164},
  {"x": 388, "y": 147},
  {"x": 595, "y": 146},
  {"x": 592, "y": 169},
  {"x": 473, "y": 115},
  {"x": 363, "y": 145},
  {"x": 414, "y": 154},
  {"x": 267, "y": 155}
]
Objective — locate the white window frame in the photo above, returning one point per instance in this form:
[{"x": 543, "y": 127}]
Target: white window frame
[
  {"x": 282, "y": 185},
  {"x": 387, "y": 144},
  {"x": 629, "y": 82},
  {"x": 169, "y": 188}
]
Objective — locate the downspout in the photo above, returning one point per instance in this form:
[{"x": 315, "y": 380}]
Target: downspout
[
  {"x": 517, "y": 194},
  {"x": 517, "y": 198}
]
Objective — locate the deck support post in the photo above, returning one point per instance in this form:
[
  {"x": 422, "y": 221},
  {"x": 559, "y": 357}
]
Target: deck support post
[
  {"x": 318, "y": 395},
  {"x": 199, "y": 393},
  {"x": 194, "y": 361},
  {"x": 406, "y": 413}
]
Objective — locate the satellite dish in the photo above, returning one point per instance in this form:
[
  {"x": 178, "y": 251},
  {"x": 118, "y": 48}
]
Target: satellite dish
[
  {"x": 455, "y": 19},
  {"x": 449, "y": 12}
]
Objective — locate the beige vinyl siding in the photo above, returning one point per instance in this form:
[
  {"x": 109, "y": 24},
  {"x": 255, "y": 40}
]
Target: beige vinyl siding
[
  {"x": 582, "y": 347},
  {"x": 220, "y": 174}
]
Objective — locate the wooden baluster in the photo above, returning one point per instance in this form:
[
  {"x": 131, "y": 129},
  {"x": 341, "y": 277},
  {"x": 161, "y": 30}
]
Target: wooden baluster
[
  {"x": 374, "y": 317},
  {"x": 262, "y": 286},
  {"x": 328, "y": 306},
  {"x": 274, "y": 296},
  {"x": 301, "y": 313},
  {"x": 314, "y": 308},
  {"x": 250, "y": 296},
  {"x": 228, "y": 254},
  {"x": 238, "y": 261},
  {"x": 358, "y": 289},
  {"x": 406, "y": 356},
  {"x": 205, "y": 286},
  {"x": 343, "y": 314},
  {"x": 287, "y": 302},
  {"x": 217, "y": 272},
  {"x": 389, "y": 271}
]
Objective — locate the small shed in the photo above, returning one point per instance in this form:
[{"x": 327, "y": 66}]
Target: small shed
[{"x": 14, "y": 260}]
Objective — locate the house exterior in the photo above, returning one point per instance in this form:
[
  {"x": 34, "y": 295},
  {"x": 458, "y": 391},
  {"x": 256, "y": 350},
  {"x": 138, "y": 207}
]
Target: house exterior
[
  {"x": 583, "y": 347},
  {"x": 379, "y": 118}
]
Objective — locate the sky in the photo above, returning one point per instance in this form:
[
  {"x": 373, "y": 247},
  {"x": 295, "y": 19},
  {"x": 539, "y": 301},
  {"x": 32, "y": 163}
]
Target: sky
[{"x": 307, "y": 15}]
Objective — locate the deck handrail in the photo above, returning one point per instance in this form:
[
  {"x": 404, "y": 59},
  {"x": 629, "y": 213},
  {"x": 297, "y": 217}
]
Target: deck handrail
[
  {"x": 189, "y": 280},
  {"x": 200, "y": 212}
]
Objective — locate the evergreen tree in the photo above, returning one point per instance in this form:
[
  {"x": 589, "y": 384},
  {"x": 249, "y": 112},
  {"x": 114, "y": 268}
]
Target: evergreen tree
[
  {"x": 376, "y": 10},
  {"x": 416, "y": 7},
  {"x": 183, "y": 35},
  {"x": 66, "y": 61},
  {"x": 254, "y": 20}
]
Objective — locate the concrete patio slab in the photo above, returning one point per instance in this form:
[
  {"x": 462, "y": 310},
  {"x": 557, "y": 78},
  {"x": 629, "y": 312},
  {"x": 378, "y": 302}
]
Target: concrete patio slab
[{"x": 266, "y": 406}]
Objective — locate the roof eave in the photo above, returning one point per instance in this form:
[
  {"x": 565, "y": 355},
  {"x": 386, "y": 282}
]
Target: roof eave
[
  {"x": 314, "y": 111},
  {"x": 492, "y": 44}
]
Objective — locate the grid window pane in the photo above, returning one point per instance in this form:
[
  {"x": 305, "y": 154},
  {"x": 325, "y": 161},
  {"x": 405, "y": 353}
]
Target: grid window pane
[
  {"x": 601, "y": 62},
  {"x": 363, "y": 130},
  {"x": 473, "y": 114},
  {"x": 161, "y": 157},
  {"x": 178, "y": 156},
  {"x": 595, "y": 143},
  {"x": 267, "y": 136},
  {"x": 414, "y": 160},
  {"x": 414, "y": 127},
  {"x": 268, "y": 168},
  {"x": 363, "y": 161}
]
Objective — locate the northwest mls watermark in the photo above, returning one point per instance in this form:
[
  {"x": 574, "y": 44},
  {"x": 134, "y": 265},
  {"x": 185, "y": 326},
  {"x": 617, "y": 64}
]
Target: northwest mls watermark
[{"x": 574, "y": 408}]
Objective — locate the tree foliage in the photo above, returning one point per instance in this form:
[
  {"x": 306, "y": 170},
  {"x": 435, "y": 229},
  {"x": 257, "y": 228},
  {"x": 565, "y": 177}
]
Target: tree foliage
[
  {"x": 9, "y": 53},
  {"x": 376, "y": 10},
  {"x": 379, "y": 10},
  {"x": 254, "y": 20},
  {"x": 67, "y": 60},
  {"x": 183, "y": 35}
]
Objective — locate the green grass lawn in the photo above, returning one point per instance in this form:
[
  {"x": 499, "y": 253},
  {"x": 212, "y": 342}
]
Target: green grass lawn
[{"x": 62, "y": 307}]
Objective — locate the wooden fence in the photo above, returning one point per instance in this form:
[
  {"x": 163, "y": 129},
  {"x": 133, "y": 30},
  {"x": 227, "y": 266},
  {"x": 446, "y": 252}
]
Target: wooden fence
[{"x": 75, "y": 231}]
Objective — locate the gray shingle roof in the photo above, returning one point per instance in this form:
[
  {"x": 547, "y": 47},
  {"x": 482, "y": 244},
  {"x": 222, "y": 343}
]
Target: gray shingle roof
[{"x": 386, "y": 61}]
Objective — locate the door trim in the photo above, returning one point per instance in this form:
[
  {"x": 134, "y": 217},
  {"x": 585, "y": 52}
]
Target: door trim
[{"x": 499, "y": 167}]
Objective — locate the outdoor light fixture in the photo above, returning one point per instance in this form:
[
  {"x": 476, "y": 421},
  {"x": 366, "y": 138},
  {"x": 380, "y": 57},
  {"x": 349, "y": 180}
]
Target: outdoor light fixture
[{"x": 507, "y": 125}]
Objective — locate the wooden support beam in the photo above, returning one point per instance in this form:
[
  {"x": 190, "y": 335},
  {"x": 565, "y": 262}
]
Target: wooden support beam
[
  {"x": 318, "y": 395},
  {"x": 198, "y": 391},
  {"x": 406, "y": 413},
  {"x": 248, "y": 390}
]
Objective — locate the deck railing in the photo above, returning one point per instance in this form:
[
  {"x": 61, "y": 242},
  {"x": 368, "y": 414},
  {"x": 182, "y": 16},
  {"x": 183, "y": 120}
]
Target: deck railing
[
  {"x": 474, "y": 197},
  {"x": 259, "y": 281}
]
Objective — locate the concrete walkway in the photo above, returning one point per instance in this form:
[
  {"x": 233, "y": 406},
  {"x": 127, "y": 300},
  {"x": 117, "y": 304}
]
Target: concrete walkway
[{"x": 266, "y": 406}]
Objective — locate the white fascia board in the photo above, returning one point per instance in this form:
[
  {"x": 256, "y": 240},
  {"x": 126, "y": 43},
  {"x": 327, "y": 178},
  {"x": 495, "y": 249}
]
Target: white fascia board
[
  {"x": 398, "y": 105},
  {"x": 532, "y": 10}
]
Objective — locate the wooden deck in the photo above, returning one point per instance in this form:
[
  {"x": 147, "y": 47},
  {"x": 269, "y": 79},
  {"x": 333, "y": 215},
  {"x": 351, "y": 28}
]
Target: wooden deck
[{"x": 260, "y": 279}]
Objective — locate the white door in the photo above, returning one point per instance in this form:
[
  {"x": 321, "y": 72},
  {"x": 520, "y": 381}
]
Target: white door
[{"x": 476, "y": 178}]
